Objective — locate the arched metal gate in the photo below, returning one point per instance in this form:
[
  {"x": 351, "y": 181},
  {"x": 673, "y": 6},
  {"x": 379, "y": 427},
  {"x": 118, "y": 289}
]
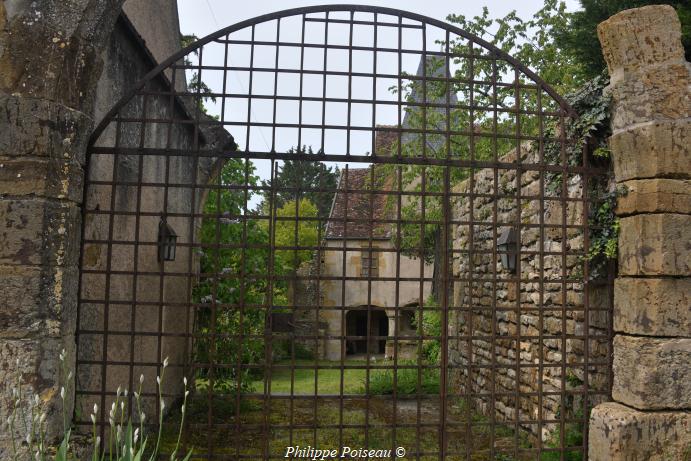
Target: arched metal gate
[{"x": 433, "y": 297}]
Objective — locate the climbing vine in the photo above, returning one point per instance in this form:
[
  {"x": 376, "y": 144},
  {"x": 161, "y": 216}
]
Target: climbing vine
[{"x": 590, "y": 128}]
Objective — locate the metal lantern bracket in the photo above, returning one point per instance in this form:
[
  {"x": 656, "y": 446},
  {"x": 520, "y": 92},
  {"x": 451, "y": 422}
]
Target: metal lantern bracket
[
  {"x": 167, "y": 242},
  {"x": 506, "y": 243}
]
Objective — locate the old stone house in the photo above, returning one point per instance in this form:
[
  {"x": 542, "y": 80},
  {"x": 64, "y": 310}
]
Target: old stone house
[
  {"x": 379, "y": 288},
  {"x": 371, "y": 293}
]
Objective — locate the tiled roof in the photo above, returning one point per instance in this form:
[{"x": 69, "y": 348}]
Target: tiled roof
[
  {"x": 357, "y": 210},
  {"x": 386, "y": 140}
]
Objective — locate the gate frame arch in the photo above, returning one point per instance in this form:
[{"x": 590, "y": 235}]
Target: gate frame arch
[
  {"x": 352, "y": 8},
  {"x": 565, "y": 110}
]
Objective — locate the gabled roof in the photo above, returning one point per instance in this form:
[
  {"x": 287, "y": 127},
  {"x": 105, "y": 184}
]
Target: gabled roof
[{"x": 358, "y": 207}]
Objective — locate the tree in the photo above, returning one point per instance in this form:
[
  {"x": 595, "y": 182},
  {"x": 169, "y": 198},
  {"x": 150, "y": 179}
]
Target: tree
[
  {"x": 295, "y": 225},
  {"x": 298, "y": 179},
  {"x": 579, "y": 38},
  {"x": 195, "y": 85},
  {"x": 233, "y": 287},
  {"x": 538, "y": 44}
]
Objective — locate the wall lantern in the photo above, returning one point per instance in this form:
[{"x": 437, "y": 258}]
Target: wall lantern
[
  {"x": 167, "y": 241},
  {"x": 506, "y": 243}
]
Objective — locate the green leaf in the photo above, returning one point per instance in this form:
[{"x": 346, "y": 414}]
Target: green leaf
[{"x": 61, "y": 455}]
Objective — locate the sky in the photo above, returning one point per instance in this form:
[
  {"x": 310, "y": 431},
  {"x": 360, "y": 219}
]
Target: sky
[{"x": 202, "y": 17}]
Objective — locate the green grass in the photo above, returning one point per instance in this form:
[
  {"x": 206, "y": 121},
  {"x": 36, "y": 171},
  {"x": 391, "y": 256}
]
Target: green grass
[
  {"x": 272, "y": 424},
  {"x": 408, "y": 381},
  {"x": 300, "y": 381}
]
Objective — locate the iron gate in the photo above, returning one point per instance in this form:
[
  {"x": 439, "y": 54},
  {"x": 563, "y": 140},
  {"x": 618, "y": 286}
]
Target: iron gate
[{"x": 433, "y": 298}]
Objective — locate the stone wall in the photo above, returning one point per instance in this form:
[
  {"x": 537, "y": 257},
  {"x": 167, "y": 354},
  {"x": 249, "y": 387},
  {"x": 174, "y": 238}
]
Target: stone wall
[
  {"x": 49, "y": 65},
  {"x": 132, "y": 310},
  {"x": 141, "y": 317},
  {"x": 651, "y": 90},
  {"x": 528, "y": 321}
]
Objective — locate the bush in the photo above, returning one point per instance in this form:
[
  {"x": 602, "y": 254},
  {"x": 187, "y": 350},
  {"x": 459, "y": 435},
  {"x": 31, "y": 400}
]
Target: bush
[{"x": 431, "y": 326}]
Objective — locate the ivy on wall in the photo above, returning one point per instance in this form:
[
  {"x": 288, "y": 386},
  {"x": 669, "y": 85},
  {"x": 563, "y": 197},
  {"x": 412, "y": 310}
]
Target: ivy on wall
[{"x": 590, "y": 129}]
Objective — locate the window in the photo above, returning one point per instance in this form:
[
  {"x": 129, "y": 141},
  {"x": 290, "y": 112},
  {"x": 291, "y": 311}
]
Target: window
[{"x": 370, "y": 264}]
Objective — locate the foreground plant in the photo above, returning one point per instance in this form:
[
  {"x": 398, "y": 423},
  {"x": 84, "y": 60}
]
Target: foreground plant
[{"x": 127, "y": 441}]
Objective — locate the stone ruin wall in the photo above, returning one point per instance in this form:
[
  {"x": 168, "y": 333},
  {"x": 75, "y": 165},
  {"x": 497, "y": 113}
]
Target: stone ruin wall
[{"x": 517, "y": 309}]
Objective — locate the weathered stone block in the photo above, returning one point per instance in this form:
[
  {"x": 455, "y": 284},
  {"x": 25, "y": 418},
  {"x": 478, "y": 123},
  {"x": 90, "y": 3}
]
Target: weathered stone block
[
  {"x": 652, "y": 373},
  {"x": 38, "y": 300},
  {"x": 655, "y": 196},
  {"x": 36, "y": 231},
  {"x": 655, "y": 93},
  {"x": 652, "y": 150},
  {"x": 619, "y": 433},
  {"x": 653, "y": 307},
  {"x": 53, "y": 177},
  {"x": 37, "y": 361},
  {"x": 42, "y": 129},
  {"x": 640, "y": 37},
  {"x": 655, "y": 244}
]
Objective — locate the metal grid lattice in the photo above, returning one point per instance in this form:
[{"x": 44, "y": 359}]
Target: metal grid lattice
[{"x": 385, "y": 318}]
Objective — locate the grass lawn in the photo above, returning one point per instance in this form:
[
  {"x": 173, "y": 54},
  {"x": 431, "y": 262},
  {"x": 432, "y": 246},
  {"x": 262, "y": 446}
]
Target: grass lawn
[
  {"x": 294, "y": 415},
  {"x": 300, "y": 381}
]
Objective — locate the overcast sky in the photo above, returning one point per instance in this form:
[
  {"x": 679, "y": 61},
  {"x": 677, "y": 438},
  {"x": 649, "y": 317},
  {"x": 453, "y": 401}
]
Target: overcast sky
[{"x": 202, "y": 17}]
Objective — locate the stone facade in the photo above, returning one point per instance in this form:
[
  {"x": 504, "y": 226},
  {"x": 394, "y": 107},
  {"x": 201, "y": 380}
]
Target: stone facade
[
  {"x": 651, "y": 89},
  {"x": 352, "y": 247},
  {"x": 131, "y": 310},
  {"x": 548, "y": 318}
]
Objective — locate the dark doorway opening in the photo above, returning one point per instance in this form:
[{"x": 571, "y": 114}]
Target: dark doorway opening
[{"x": 366, "y": 331}]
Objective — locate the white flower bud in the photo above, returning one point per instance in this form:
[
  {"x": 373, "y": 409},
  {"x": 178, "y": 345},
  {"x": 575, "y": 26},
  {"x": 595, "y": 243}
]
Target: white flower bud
[
  {"x": 141, "y": 379},
  {"x": 95, "y": 408},
  {"x": 184, "y": 380},
  {"x": 98, "y": 440},
  {"x": 163, "y": 405},
  {"x": 158, "y": 380},
  {"x": 69, "y": 376},
  {"x": 117, "y": 392},
  {"x": 62, "y": 393},
  {"x": 42, "y": 419},
  {"x": 187, "y": 393},
  {"x": 93, "y": 418},
  {"x": 165, "y": 362},
  {"x": 142, "y": 417},
  {"x": 136, "y": 435}
]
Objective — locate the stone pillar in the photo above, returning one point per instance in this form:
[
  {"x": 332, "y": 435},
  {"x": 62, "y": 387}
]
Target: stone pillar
[
  {"x": 650, "y": 418},
  {"x": 49, "y": 65}
]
